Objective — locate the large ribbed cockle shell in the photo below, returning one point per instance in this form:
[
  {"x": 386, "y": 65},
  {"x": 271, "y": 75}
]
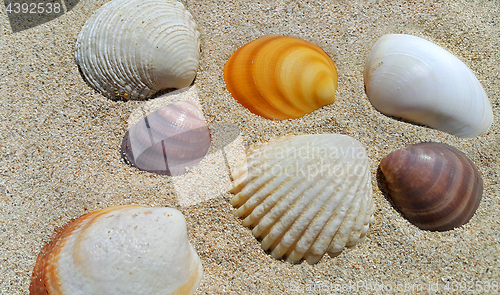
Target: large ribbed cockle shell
[
  {"x": 434, "y": 185},
  {"x": 305, "y": 195},
  {"x": 281, "y": 77},
  {"x": 414, "y": 79},
  {"x": 168, "y": 141},
  {"x": 130, "y": 49},
  {"x": 124, "y": 250}
]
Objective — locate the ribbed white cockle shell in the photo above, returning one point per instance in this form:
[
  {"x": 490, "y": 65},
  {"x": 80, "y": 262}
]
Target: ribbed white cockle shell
[
  {"x": 131, "y": 49},
  {"x": 305, "y": 195}
]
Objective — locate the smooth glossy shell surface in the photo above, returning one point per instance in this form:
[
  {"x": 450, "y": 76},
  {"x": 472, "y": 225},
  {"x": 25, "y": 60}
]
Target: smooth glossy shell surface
[
  {"x": 280, "y": 77},
  {"x": 414, "y": 79},
  {"x": 130, "y": 49},
  {"x": 118, "y": 251},
  {"x": 434, "y": 185},
  {"x": 168, "y": 140},
  {"x": 305, "y": 195}
]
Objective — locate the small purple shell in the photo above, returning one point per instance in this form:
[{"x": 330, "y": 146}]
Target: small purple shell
[{"x": 168, "y": 140}]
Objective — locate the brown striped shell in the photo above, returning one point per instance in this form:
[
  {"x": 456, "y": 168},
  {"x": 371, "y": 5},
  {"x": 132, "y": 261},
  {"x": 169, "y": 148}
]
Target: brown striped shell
[
  {"x": 434, "y": 185},
  {"x": 168, "y": 140},
  {"x": 281, "y": 77}
]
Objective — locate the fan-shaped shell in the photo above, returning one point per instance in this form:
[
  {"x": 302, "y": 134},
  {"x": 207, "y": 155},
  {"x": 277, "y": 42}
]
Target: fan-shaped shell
[
  {"x": 280, "y": 77},
  {"x": 168, "y": 140},
  {"x": 434, "y": 185},
  {"x": 414, "y": 79},
  {"x": 118, "y": 251},
  {"x": 305, "y": 195},
  {"x": 130, "y": 49}
]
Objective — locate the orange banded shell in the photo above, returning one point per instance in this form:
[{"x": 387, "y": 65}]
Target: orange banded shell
[{"x": 280, "y": 77}]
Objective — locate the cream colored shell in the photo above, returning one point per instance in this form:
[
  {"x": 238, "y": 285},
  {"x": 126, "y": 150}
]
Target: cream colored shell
[
  {"x": 130, "y": 49},
  {"x": 118, "y": 251},
  {"x": 305, "y": 195}
]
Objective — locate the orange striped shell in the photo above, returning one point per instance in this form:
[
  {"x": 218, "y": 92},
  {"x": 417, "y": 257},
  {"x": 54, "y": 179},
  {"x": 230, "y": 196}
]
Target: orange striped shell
[{"x": 280, "y": 77}]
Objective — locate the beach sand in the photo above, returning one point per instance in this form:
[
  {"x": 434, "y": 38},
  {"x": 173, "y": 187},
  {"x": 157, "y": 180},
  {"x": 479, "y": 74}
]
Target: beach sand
[{"x": 60, "y": 147}]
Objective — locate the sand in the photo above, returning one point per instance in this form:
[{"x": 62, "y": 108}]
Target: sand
[{"x": 60, "y": 139}]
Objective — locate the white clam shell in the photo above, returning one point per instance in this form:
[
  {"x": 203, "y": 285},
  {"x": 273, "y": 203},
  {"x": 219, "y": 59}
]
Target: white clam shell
[
  {"x": 414, "y": 79},
  {"x": 305, "y": 195},
  {"x": 120, "y": 250},
  {"x": 131, "y": 49}
]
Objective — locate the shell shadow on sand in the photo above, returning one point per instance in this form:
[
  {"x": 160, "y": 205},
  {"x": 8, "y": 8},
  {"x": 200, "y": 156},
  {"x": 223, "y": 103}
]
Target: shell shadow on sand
[{"x": 382, "y": 186}]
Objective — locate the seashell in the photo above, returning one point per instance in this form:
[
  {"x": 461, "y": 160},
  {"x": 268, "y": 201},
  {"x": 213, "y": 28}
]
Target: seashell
[
  {"x": 280, "y": 77},
  {"x": 168, "y": 140},
  {"x": 414, "y": 79},
  {"x": 131, "y": 49},
  {"x": 305, "y": 195},
  {"x": 434, "y": 185},
  {"x": 119, "y": 250}
]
